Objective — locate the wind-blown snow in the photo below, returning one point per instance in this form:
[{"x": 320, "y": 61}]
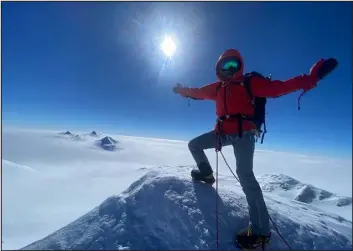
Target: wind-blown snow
[
  {"x": 162, "y": 211},
  {"x": 50, "y": 179}
]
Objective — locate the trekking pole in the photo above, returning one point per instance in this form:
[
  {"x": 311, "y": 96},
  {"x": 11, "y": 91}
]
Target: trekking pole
[{"x": 218, "y": 149}]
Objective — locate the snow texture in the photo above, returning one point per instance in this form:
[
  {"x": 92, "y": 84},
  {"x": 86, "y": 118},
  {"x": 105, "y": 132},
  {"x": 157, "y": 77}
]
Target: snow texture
[
  {"x": 288, "y": 187},
  {"x": 162, "y": 211},
  {"x": 61, "y": 177}
]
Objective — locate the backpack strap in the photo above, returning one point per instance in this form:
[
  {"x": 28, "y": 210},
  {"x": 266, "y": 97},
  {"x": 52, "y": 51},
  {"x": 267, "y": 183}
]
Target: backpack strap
[
  {"x": 265, "y": 131},
  {"x": 246, "y": 83},
  {"x": 247, "y": 86}
]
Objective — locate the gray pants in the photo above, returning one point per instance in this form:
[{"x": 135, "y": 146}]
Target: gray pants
[{"x": 244, "y": 153}]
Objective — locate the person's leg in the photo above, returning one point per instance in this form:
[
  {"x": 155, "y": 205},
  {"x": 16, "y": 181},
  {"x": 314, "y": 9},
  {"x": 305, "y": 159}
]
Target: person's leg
[
  {"x": 199, "y": 144},
  {"x": 244, "y": 152}
]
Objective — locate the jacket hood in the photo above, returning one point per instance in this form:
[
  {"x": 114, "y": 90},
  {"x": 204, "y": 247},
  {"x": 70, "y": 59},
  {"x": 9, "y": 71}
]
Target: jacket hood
[{"x": 232, "y": 53}]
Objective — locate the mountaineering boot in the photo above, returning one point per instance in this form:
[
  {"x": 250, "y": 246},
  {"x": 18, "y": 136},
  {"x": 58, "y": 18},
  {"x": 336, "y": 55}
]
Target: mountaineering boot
[
  {"x": 204, "y": 173},
  {"x": 245, "y": 239},
  {"x": 197, "y": 175}
]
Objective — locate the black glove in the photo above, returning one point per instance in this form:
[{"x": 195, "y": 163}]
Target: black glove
[{"x": 323, "y": 67}]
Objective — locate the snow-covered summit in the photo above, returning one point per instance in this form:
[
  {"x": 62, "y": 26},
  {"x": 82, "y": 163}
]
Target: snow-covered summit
[{"x": 162, "y": 211}]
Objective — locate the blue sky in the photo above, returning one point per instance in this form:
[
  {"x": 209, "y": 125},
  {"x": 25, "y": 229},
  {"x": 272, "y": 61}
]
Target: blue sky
[{"x": 98, "y": 65}]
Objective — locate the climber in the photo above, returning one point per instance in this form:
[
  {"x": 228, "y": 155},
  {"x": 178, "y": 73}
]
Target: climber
[{"x": 235, "y": 126}]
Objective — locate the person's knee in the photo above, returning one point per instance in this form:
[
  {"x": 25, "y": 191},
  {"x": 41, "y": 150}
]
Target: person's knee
[{"x": 193, "y": 145}]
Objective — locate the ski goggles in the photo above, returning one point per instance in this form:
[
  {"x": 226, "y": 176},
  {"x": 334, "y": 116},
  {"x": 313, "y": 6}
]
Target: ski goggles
[{"x": 228, "y": 66}]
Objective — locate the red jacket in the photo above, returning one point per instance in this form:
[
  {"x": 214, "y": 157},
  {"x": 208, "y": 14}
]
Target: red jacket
[{"x": 233, "y": 98}]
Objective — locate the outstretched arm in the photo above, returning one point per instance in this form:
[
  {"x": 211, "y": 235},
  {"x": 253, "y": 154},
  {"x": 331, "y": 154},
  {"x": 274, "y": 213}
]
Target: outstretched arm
[
  {"x": 206, "y": 92},
  {"x": 266, "y": 88},
  {"x": 261, "y": 87}
]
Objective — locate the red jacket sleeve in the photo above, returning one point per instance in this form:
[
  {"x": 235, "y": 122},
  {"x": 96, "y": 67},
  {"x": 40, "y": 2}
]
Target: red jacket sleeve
[
  {"x": 205, "y": 92},
  {"x": 261, "y": 87}
]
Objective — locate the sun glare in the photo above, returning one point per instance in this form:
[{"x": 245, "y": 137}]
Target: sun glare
[{"x": 168, "y": 46}]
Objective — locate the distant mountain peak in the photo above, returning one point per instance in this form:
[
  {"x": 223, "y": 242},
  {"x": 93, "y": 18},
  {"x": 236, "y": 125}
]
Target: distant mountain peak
[
  {"x": 107, "y": 143},
  {"x": 67, "y": 133},
  {"x": 93, "y": 133}
]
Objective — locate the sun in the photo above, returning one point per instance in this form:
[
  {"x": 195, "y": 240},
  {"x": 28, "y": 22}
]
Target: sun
[{"x": 168, "y": 46}]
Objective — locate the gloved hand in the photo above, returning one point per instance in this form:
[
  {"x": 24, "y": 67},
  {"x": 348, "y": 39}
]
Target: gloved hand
[
  {"x": 319, "y": 71},
  {"x": 323, "y": 67},
  {"x": 180, "y": 90},
  {"x": 177, "y": 88}
]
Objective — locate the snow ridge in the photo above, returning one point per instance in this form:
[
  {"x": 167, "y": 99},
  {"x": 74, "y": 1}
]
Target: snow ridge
[
  {"x": 162, "y": 211},
  {"x": 294, "y": 189}
]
